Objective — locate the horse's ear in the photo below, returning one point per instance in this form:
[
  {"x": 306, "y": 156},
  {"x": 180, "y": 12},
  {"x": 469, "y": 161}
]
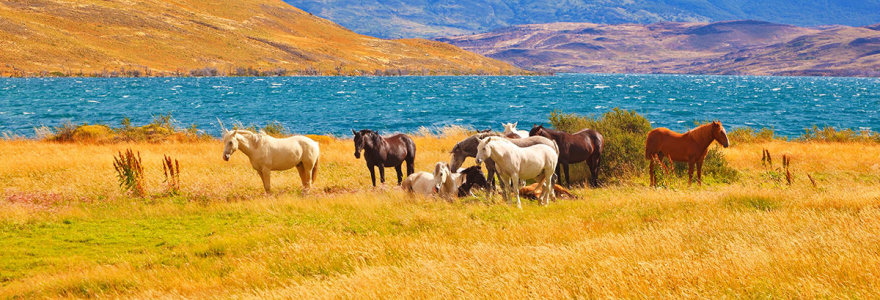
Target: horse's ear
[
  {"x": 354, "y": 132},
  {"x": 515, "y": 123}
]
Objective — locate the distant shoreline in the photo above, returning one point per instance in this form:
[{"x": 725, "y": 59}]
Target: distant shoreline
[{"x": 529, "y": 73}]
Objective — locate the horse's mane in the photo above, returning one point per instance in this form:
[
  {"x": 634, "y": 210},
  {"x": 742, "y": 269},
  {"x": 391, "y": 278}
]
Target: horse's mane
[
  {"x": 483, "y": 135},
  {"x": 702, "y": 130},
  {"x": 255, "y": 136},
  {"x": 702, "y": 127}
]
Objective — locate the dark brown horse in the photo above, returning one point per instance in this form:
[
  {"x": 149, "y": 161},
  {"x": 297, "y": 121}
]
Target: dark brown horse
[
  {"x": 585, "y": 145},
  {"x": 690, "y": 147},
  {"x": 385, "y": 153}
]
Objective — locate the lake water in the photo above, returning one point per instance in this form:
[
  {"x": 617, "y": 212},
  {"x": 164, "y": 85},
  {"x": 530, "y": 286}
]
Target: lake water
[{"x": 334, "y": 105}]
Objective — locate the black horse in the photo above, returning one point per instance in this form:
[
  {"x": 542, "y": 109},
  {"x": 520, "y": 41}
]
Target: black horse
[
  {"x": 473, "y": 177},
  {"x": 585, "y": 145},
  {"x": 385, "y": 152}
]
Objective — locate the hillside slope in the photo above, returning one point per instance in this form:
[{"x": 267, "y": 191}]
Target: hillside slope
[
  {"x": 169, "y": 36},
  {"x": 731, "y": 47},
  {"x": 433, "y": 18}
]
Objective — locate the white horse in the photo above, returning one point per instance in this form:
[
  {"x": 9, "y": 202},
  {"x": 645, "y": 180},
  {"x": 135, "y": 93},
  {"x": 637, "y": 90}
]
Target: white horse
[
  {"x": 442, "y": 182},
  {"x": 267, "y": 154},
  {"x": 446, "y": 183},
  {"x": 510, "y": 128},
  {"x": 514, "y": 163},
  {"x": 419, "y": 183}
]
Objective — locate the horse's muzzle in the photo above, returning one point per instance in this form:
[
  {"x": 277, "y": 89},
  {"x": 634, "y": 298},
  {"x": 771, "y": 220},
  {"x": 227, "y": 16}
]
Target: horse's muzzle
[
  {"x": 226, "y": 157},
  {"x": 357, "y": 155},
  {"x": 479, "y": 161}
]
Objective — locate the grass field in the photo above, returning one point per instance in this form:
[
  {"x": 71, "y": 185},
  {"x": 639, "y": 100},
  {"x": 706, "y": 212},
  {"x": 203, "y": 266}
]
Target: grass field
[{"x": 67, "y": 230}]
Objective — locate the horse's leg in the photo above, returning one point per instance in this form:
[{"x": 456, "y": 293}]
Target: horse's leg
[
  {"x": 399, "y": 170},
  {"x": 490, "y": 170},
  {"x": 372, "y": 173},
  {"x": 594, "y": 170},
  {"x": 700, "y": 172},
  {"x": 410, "y": 166},
  {"x": 542, "y": 186},
  {"x": 381, "y": 173},
  {"x": 567, "y": 177},
  {"x": 690, "y": 171},
  {"x": 305, "y": 176},
  {"x": 558, "y": 172},
  {"x": 651, "y": 172},
  {"x": 503, "y": 184},
  {"x": 514, "y": 180},
  {"x": 264, "y": 174}
]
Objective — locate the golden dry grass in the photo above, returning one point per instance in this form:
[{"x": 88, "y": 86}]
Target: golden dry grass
[
  {"x": 66, "y": 230},
  {"x": 167, "y": 36}
]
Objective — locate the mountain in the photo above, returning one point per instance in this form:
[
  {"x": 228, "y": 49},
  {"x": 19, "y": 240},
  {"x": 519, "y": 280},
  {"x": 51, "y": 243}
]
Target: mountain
[
  {"x": 207, "y": 37},
  {"x": 434, "y": 18},
  {"x": 730, "y": 47}
]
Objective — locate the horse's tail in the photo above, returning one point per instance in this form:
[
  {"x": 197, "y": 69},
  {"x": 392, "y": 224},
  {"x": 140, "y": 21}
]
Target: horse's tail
[
  {"x": 650, "y": 145},
  {"x": 315, "y": 170}
]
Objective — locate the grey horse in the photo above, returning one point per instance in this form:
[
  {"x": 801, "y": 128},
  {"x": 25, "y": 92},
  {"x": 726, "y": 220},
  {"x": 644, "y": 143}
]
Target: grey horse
[{"x": 468, "y": 148}]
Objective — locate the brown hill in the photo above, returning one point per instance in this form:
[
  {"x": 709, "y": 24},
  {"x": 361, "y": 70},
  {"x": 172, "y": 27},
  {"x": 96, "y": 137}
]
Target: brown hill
[
  {"x": 169, "y": 36},
  {"x": 732, "y": 47}
]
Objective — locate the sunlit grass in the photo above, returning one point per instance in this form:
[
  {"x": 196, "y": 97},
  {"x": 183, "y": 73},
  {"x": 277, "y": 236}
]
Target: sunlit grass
[{"x": 67, "y": 230}]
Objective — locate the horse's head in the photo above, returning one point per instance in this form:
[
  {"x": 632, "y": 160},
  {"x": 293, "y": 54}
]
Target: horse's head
[
  {"x": 509, "y": 127},
  {"x": 536, "y": 130},
  {"x": 483, "y": 150},
  {"x": 458, "y": 156},
  {"x": 361, "y": 140},
  {"x": 719, "y": 134},
  {"x": 230, "y": 143},
  {"x": 441, "y": 175}
]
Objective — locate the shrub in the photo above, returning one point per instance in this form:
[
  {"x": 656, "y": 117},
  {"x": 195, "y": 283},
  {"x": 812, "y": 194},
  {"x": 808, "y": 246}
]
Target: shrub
[
  {"x": 831, "y": 134},
  {"x": 624, "y": 132},
  {"x": 275, "y": 129},
  {"x": 130, "y": 172},
  {"x": 63, "y": 133},
  {"x": 750, "y": 135}
]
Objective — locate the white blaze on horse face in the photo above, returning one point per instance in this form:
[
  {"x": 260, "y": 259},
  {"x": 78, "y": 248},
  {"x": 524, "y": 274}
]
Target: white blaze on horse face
[{"x": 726, "y": 141}]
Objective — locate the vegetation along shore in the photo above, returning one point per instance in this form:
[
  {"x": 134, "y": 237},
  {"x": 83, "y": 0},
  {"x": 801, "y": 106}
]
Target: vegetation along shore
[{"x": 757, "y": 227}]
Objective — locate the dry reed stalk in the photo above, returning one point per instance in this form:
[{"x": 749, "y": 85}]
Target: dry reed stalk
[
  {"x": 786, "y": 161},
  {"x": 130, "y": 172},
  {"x": 171, "y": 169}
]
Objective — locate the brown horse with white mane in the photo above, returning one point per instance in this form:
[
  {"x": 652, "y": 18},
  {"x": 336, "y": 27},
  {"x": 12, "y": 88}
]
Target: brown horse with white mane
[{"x": 690, "y": 147}]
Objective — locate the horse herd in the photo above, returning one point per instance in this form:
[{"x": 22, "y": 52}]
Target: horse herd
[{"x": 513, "y": 156}]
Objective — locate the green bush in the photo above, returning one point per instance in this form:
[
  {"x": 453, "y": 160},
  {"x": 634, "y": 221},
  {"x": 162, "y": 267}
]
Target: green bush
[
  {"x": 623, "y": 158},
  {"x": 831, "y": 134},
  {"x": 742, "y": 135},
  {"x": 624, "y": 132}
]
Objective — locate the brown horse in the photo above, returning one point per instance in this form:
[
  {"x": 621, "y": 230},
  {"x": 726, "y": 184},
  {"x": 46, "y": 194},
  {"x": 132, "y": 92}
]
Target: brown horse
[
  {"x": 690, "y": 147},
  {"x": 385, "y": 152},
  {"x": 585, "y": 145}
]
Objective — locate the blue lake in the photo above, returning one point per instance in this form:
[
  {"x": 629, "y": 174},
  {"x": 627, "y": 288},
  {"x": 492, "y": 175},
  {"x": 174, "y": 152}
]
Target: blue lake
[{"x": 334, "y": 105}]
